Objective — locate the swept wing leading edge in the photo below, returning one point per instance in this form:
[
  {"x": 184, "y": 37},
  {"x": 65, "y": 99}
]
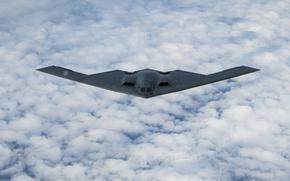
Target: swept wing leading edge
[
  {"x": 185, "y": 80},
  {"x": 108, "y": 80}
]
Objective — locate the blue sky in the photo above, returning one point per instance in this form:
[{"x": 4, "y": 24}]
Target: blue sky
[{"x": 54, "y": 129}]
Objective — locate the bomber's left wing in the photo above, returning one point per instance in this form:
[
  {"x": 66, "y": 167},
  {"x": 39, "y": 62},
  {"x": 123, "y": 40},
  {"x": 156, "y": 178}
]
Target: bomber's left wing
[
  {"x": 181, "y": 80},
  {"x": 111, "y": 80}
]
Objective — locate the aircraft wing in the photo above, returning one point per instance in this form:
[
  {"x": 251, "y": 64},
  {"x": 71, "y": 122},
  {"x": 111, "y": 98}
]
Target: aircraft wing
[
  {"x": 181, "y": 80},
  {"x": 111, "y": 80}
]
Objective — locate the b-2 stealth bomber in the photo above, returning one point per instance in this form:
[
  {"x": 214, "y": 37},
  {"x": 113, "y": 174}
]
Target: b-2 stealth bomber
[{"x": 147, "y": 83}]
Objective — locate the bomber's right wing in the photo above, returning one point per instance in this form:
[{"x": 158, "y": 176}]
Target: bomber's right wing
[
  {"x": 111, "y": 80},
  {"x": 181, "y": 80}
]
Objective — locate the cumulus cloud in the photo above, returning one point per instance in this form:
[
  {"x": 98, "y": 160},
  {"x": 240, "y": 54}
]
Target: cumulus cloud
[{"x": 54, "y": 129}]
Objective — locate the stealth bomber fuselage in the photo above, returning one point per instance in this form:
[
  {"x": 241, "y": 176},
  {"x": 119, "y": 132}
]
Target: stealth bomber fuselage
[{"x": 147, "y": 83}]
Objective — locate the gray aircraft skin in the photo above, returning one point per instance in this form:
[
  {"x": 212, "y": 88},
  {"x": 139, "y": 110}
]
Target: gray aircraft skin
[{"x": 147, "y": 83}]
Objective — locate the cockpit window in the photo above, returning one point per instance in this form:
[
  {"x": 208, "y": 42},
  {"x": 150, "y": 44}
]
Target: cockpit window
[
  {"x": 129, "y": 84},
  {"x": 146, "y": 89}
]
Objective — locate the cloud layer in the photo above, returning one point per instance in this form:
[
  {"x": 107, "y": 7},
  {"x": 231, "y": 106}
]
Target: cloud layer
[{"x": 54, "y": 129}]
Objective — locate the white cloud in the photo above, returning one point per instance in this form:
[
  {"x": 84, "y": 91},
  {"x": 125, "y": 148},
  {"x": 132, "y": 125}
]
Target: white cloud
[{"x": 54, "y": 129}]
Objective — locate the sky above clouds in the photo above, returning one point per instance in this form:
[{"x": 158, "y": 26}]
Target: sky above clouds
[{"x": 55, "y": 129}]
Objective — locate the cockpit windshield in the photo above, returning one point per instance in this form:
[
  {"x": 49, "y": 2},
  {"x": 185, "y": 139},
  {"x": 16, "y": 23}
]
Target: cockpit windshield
[
  {"x": 146, "y": 89},
  {"x": 143, "y": 89}
]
